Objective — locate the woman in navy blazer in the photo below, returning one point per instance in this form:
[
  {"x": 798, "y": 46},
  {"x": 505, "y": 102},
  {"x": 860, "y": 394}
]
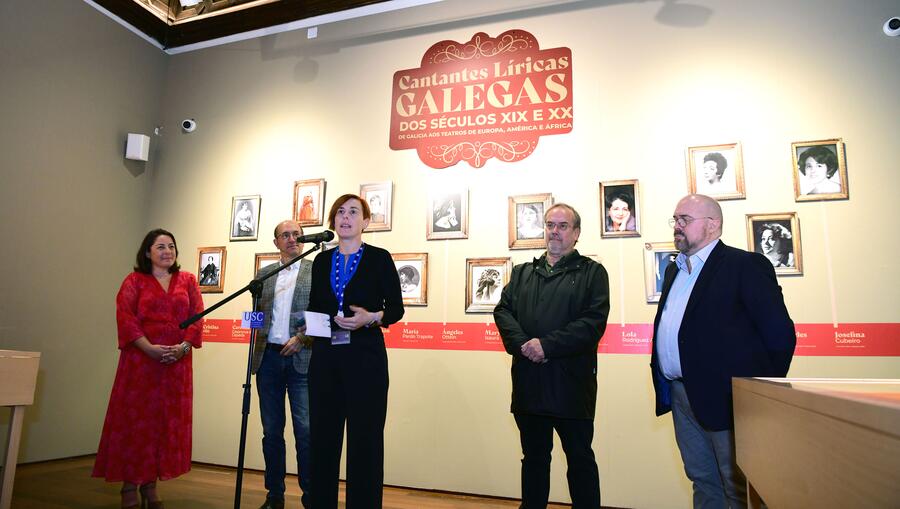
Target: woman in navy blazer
[{"x": 357, "y": 285}]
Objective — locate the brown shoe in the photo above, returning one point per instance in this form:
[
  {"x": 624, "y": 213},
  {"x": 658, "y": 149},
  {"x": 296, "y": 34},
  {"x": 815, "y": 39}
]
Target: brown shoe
[
  {"x": 125, "y": 492},
  {"x": 150, "y": 489}
]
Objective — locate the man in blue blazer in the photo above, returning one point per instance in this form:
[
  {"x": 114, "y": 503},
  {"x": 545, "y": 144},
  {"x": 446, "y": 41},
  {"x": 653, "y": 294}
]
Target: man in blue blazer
[
  {"x": 721, "y": 315},
  {"x": 281, "y": 364}
]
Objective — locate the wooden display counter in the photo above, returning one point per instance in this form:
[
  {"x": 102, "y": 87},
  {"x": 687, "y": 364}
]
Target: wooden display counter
[
  {"x": 819, "y": 443},
  {"x": 18, "y": 375}
]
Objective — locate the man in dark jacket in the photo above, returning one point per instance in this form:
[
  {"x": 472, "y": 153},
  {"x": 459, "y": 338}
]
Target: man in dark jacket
[
  {"x": 551, "y": 316},
  {"x": 721, "y": 315}
]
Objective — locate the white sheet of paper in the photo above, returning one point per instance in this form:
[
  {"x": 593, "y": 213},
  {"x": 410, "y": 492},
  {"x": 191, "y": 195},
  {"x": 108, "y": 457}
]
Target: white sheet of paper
[{"x": 317, "y": 324}]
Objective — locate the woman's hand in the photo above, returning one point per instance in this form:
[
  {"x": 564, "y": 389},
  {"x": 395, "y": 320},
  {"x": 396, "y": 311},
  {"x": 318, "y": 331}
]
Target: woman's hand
[
  {"x": 161, "y": 353},
  {"x": 165, "y": 354},
  {"x": 361, "y": 318}
]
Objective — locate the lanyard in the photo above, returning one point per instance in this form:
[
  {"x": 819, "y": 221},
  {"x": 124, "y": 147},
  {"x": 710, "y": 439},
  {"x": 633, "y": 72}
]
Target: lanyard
[{"x": 343, "y": 274}]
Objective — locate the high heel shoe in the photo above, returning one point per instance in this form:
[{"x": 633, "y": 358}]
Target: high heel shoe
[
  {"x": 123, "y": 491},
  {"x": 146, "y": 503}
]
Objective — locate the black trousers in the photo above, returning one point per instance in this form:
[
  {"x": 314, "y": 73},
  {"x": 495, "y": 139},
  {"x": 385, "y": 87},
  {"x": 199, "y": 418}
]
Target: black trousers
[
  {"x": 536, "y": 434},
  {"x": 348, "y": 384}
]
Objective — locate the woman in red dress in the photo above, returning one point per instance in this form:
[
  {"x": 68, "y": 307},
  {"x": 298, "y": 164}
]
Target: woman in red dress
[{"x": 147, "y": 432}]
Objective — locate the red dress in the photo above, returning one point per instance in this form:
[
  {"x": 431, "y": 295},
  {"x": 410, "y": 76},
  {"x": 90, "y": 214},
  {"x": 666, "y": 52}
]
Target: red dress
[{"x": 147, "y": 432}]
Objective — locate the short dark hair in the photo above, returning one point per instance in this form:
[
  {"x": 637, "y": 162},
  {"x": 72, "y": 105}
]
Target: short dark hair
[
  {"x": 341, "y": 201},
  {"x": 142, "y": 261},
  {"x": 822, "y": 155},
  {"x": 621, "y": 196},
  {"x": 407, "y": 271},
  {"x": 719, "y": 159},
  {"x": 577, "y": 217},
  {"x": 780, "y": 232}
]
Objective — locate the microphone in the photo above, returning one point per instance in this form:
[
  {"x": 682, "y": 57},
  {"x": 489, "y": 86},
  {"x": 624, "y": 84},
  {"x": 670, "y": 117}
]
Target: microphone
[{"x": 316, "y": 238}]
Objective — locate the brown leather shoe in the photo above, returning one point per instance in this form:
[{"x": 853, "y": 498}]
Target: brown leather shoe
[
  {"x": 145, "y": 501},
  {"x": 124, "y": 492}
]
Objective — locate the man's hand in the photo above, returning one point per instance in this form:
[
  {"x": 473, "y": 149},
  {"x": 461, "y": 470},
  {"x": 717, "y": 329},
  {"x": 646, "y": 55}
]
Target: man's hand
[
  {"x": 292, "y": 346},
  {"x": 533, "y": 350}
]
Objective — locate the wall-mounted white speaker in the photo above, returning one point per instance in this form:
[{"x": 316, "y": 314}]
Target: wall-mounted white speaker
[{"x": 137, "y": 147}]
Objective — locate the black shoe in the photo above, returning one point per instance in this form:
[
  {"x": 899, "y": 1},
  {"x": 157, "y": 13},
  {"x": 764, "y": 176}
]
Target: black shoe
[{"x": 272, "y": 504}]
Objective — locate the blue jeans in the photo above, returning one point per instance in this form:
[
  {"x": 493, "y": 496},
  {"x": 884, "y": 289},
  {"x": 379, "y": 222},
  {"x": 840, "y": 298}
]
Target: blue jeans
[
  {"x": 275, "y": 377},
  {"x": 708, "y": 458}
]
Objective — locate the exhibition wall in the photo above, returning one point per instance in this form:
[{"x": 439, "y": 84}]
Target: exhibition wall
[
  {"x": 73, "y": 83},
  {"x": 648, "y": 83}
]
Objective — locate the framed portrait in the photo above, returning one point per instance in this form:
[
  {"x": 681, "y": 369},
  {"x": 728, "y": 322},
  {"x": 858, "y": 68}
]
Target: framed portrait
[
  {"x": 777, "y": 237},
  {"x": 526, "y": 220},
  {"x": 211, "y": 269},
  {"x": 264, "y": 260},
  {"x": 716, "y": 171},
  {"x": 820, "y": 170},
  {"x": 412, "y": 268},
  {"x": 620, "y": 203},
  {"x": 379, "y": 196},
  {"x": 447, "y": 214},
  {"x": 309, "y": 197},
  {"x": 245, "y": 217},
  {"x": 485, "y": 279},
  {"x": 657, "y": 257}
]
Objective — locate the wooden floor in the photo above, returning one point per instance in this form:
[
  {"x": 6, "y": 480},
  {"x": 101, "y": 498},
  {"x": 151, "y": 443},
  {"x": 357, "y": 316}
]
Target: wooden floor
[{"x": 67, "y": 484}]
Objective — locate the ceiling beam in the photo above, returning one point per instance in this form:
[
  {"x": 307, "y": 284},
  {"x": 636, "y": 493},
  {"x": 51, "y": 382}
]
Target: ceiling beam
[{"x": 229, "y": 21}]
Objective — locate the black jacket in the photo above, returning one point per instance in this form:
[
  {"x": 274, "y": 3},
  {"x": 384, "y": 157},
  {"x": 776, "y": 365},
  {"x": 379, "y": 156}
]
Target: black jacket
[
  {"x": 566, "y": 308},
  {"x": 735, "y": 325}
]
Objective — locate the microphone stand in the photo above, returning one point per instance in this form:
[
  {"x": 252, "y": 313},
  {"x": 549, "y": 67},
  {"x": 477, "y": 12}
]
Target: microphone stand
[{"x": 255, "y": 287}]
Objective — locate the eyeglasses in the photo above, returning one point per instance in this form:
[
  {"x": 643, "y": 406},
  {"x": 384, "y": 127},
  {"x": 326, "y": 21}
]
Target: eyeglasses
[
  {"x": 550, "y": 225},
  {"x": 683, "y": 221},
  {"x": 290, "y": 235}
]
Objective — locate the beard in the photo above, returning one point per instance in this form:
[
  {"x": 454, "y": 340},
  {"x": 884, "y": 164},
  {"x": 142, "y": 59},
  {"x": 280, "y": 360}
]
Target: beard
[{"x": 682, "y": 243}]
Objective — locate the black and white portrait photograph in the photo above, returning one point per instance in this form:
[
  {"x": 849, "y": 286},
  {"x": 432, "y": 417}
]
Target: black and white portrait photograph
[
  {"x": 448, "y": 214},
  {"x": 211, "y": 269},
  {"x": 526, "y": 220},
  {"x": 244, "y": 217},
  {"x": 820, "y": 170},
  {"x": 412, "y": 269},
  {"x": 716, "y": 171},
  {"x": 620, "y": 200},
  {"x": 657, "y": 258},
  {"x": 777, "y": 237},
  {"x": 485, "y": 279},
  {"x": 378, "y": 195}
]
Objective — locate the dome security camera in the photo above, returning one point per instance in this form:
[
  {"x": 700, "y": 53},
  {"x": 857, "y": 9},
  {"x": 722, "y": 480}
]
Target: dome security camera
[
  {"x": 892, "y": 26},
  {"x": 188, "y": 125}
]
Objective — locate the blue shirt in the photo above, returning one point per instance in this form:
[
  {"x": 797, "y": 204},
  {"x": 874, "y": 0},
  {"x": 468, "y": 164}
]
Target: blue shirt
[{"x": 673, "y": 312}]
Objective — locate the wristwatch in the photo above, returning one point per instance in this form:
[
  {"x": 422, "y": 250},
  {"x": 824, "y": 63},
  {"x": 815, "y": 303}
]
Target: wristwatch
[{"x": 185, "y": 348}]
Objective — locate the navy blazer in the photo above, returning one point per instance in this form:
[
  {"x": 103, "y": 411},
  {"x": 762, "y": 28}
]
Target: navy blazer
[{"x": 735, "y": 325}]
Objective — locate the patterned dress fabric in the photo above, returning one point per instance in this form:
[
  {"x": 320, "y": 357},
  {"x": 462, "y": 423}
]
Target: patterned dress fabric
[{"x": 147, "y": 431}]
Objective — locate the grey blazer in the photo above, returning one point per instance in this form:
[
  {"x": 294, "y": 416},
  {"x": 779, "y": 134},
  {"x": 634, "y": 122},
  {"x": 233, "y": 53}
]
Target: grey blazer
[{"x": 300, "y": 301}]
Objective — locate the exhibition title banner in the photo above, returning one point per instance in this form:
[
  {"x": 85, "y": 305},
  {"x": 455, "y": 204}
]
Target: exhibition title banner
[
  {"x": 813, "y": 339},
  {"x": 486, "y": 98}
]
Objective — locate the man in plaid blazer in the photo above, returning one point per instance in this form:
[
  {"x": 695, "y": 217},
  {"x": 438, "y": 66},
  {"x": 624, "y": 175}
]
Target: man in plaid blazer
[{"x": 281, "y": 363}]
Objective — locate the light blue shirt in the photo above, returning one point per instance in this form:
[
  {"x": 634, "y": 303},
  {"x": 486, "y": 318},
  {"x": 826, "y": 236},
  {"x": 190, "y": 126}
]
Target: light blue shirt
[{"x": 673, "y": 312}]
